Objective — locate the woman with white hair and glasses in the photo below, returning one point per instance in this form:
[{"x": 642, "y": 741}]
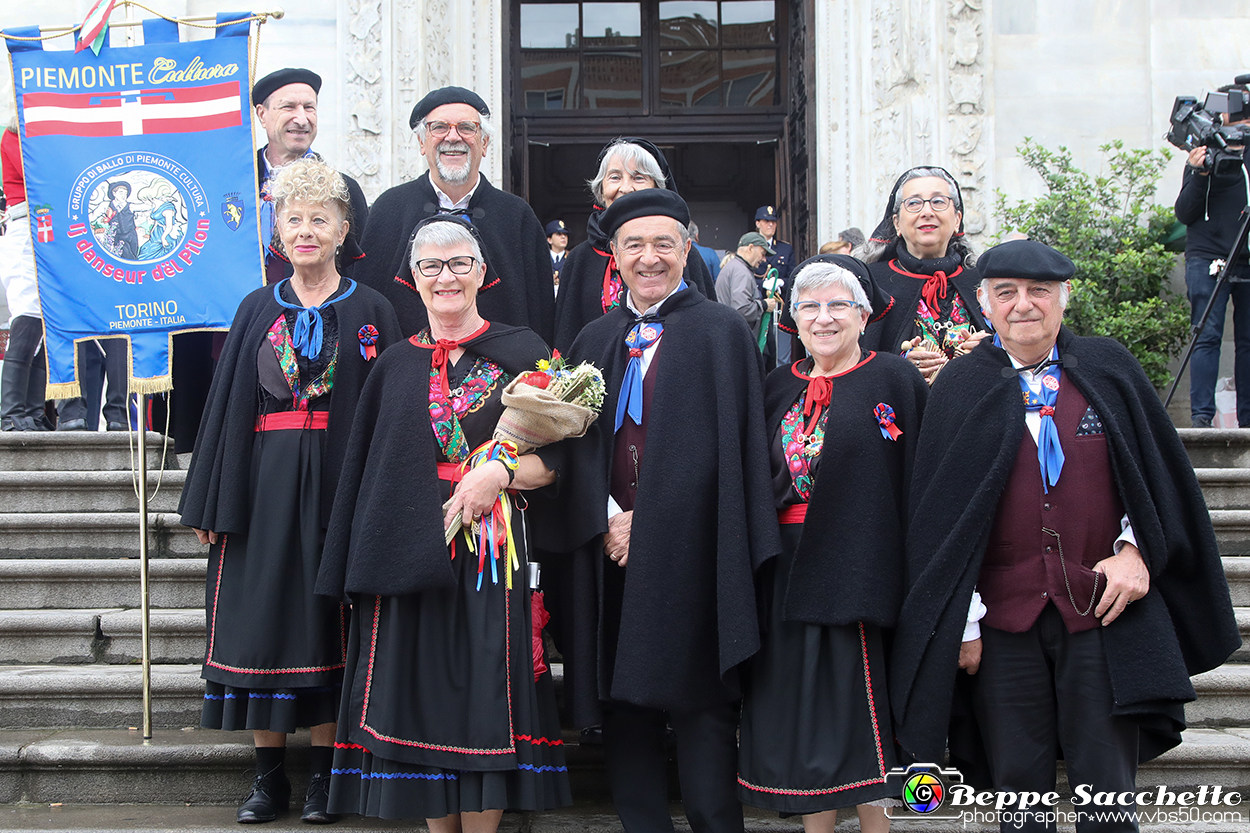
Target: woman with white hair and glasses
[
  {"x": 918, "y": 255},
  {"x": 590, "y": 283},
  {"x": 843, "y": 423},
  {"x": 446, "y": 714}
]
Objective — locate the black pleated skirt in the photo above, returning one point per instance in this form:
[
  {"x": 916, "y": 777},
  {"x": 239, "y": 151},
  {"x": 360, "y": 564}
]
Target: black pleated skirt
[
  {"x": 275, "y": 650},
  {"x": 816, "y": 732},
  {"x": 441, "y": 713}
]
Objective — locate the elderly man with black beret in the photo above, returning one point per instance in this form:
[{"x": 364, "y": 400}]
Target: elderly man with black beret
[
  {"x": 669, "y": 512},
  {"x": 1050, "y": 482},
  {"x": 454, "y": 128},
  {"x": 286, "y": 107}
]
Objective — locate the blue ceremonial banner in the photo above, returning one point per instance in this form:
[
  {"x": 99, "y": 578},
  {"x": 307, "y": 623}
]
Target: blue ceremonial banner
[{"x": 141, "y": 181}]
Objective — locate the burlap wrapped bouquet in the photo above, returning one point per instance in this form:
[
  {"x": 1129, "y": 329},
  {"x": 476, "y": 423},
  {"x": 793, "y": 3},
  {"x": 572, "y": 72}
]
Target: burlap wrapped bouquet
[{"x": 534, "y": 417}]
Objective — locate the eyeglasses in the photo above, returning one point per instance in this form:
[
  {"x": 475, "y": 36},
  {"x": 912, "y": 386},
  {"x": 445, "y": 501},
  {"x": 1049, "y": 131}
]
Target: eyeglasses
[
  {"x": 810, "y": 310},
  {"x": 432, "y": 267},
  {"x": 440, "y": 129},
  {"x": 912, "y": 205},
  {"x": 663, "y": 248}
]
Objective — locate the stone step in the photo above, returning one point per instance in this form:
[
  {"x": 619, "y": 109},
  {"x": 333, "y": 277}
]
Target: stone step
[
  {"x": 88, "y": 491},
  {"x": 1223, "y": 698},
  {"x": 1232, "y": 530},
  {"x": 36, "y": 583},
  {"x": 91, "y": 635},
  {"x": 98, "y": 696},
  {"x": 1225, "y": 488},
  {"x": 1242, "y": 654},
  {"x": 95, "y": 534},
  {"x": 1237, "y": 571},
  {"x": 80, "y": 451},
  {"x": 1223, "y": 448}
]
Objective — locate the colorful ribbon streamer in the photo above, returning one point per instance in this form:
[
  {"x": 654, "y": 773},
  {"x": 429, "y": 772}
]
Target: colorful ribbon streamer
[
  {"x": 885, "y": 418},
  {"x": 368, "y": 342},
  {"x": 494, "y": 529}
]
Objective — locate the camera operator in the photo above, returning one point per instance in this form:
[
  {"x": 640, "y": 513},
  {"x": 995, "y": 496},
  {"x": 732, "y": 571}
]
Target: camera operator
[{"x": 1210, "y": 204}]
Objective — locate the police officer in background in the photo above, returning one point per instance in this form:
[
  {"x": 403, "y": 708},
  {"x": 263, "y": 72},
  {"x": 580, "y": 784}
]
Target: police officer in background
[
  {"x": 766, "y": 221},
  {"x": 558, "y": 241}
]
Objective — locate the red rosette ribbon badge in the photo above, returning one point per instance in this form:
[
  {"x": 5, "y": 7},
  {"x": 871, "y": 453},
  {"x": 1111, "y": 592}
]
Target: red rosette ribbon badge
[
  {"x": 368, "y": 342},
  {"x": 885, "y": 419}
]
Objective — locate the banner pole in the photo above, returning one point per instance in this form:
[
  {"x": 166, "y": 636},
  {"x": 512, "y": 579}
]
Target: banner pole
[{"x": 145, "y": 634}]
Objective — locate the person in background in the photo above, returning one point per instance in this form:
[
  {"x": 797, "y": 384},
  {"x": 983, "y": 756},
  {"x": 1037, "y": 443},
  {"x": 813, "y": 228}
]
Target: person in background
[
  {"x": 25, "y": 369},
  {"x": 919, "y": 256},
  {"x": 558, "y": 241},
  {"x": 767, "y": 219},
  {"x": 737, "y": 287}
]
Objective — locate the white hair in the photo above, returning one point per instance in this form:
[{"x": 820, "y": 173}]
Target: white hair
[
  {"x": 820, "y": 275},
  {"x": 444, "y": 235},
  {"x": 635, "y": 159}
]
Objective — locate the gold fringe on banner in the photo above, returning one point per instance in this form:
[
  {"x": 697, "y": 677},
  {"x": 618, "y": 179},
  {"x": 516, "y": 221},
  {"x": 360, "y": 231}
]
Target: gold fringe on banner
[
  {"x": 156, "y": 384},
  {"x": 63, "y": 390}
]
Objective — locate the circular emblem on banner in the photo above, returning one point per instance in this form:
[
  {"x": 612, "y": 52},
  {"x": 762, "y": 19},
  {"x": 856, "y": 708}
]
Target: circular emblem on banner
[{"x": 137, "y": 205}]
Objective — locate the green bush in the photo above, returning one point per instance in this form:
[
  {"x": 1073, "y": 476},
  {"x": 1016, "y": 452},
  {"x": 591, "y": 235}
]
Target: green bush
[{"x": 1112, "y": 229}]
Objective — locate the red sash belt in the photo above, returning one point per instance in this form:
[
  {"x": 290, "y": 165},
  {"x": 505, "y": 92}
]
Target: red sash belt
[
  {"x": 795, "y": 513},
  {"x": 450, "y": 472},
  {"x": 286, "y": 420}
]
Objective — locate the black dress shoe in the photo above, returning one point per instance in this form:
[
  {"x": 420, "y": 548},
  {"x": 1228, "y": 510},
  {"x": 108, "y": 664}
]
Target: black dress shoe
[
  {"x": 316, "y": 799},
  {"x": 270, "y": 795}
]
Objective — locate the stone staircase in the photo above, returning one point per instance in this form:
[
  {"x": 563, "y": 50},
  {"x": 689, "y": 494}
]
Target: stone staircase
[{"x": 70, "y": 700}]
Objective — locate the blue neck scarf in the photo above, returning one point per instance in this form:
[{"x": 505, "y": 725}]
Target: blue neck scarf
[
  {"x": 1049, "y": 451},
  {"x": 308, "y": 325},
  {"x": 645, "y": 332}
]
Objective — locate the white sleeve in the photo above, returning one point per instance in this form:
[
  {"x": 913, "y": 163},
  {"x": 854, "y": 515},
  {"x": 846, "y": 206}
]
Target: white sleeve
[
  {"x": 1126, "y": 535},
  {"x": 614, "y": 508},
  {"x": 976, "y": 611}
]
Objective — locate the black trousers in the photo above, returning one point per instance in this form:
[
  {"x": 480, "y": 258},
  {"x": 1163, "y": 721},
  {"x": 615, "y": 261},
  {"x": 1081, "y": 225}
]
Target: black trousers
[
  {"x": 707, "y": 764},
  {"x": 25, "y": 371},
  {"x": 1047, "y": 691},
  {"x": 98, "y": 360}
]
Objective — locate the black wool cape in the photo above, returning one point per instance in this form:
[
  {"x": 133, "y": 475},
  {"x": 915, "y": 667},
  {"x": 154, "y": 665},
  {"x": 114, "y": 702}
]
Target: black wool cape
[
  {"x": 386, "y": 532},
  {"x": 704, "y": 520},
  {"x": 216, "y": 495},
  {"x": 969, "y": 441},
  {"x": 518, "y": 288},
  {"x": 848, "y": 567},
  {"x": 887, "y": 332},
  {"x": 581, "y": 288}
]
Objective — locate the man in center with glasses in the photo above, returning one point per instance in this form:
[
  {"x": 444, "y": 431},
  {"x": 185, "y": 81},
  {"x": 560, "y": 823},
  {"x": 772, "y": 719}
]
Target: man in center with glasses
[
  {"x": 1049, "y": 479},
  {"x": 453, "y": 126}
]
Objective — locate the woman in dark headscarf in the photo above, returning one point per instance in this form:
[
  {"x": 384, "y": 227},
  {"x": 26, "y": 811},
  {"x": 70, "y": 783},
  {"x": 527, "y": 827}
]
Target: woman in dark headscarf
[
  {"x": 590, "y": 284},
  {"x": 919, "y": 256},
  {"x": 816, "y": 733}
]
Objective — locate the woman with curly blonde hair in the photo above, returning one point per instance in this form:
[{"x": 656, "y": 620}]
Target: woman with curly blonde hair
[{"x": 261, "y": 485}]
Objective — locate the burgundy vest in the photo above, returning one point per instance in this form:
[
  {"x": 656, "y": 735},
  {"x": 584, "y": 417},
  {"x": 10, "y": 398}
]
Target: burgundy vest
[
  {"x": 1023, "y": 571},
  {"x": 630, "y": 442}
]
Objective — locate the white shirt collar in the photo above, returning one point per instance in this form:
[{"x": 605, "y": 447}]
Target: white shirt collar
[
  {"x": 629, "y": 301},
  {"x": 445, "y": 202}
]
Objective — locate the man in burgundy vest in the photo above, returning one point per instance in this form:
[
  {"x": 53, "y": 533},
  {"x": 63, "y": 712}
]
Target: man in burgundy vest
[
  {"x": 1044, "y": 461},
  {"x": 668, "y": 507}
]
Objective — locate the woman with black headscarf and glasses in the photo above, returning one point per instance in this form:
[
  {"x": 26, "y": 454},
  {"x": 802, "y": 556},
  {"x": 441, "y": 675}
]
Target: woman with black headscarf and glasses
[
  {"x": 918, "y": 255},
  {"x": 590, "y": 284}
]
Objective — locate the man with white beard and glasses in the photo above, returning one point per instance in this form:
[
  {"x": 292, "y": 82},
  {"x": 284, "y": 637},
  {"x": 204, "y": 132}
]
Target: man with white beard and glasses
[{"x": 453, "y": 127}]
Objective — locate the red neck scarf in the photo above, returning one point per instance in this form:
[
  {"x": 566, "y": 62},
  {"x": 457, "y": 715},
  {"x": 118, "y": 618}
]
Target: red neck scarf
[
  {"x": 442, "y": 350},
  {"x": 819, "y": 390},
  {"x": 612, "y": 286},
  {"x": 934, "y": 287}
]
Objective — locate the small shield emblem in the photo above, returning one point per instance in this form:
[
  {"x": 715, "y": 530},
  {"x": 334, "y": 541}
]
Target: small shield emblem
[{"x": 232, "y": 212}]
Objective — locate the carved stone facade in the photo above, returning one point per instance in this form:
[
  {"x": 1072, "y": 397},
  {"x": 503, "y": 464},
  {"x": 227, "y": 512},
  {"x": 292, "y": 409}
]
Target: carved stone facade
[
  {"x": 393, "y": 53},
  {"x": 917, "y": 97}
]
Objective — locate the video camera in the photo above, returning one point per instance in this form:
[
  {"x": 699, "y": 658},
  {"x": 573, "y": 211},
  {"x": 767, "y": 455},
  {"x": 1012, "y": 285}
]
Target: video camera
[{"x": 1206, "y": 125}]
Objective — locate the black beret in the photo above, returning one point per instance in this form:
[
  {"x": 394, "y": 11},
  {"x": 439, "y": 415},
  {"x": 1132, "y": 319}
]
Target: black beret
[
  {"x": 277, "y": 79},
  {"x": 1027, "y": 259},
  {"x": 446, "y": 95},
  {"x": 877, "y": 297},
  {"x": 652, "y": 202}
]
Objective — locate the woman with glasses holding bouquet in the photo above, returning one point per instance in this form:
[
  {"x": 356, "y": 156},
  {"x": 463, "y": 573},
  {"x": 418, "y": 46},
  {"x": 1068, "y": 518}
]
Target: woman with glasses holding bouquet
[
  {"x": 918, "y": 255},
  {"x": 447, "y": 714},
  {"x": 843, "y": 423}
]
